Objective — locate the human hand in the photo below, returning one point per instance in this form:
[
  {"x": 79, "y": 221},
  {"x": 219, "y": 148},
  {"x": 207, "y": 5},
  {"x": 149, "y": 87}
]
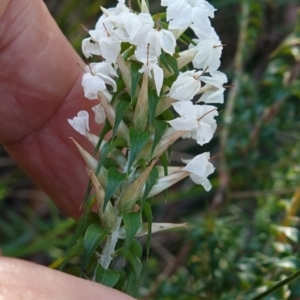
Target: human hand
[{"x": 40, "y": 84}]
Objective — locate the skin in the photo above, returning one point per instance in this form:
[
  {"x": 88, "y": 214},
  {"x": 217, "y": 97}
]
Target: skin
[{"x": 40, "y": 84}]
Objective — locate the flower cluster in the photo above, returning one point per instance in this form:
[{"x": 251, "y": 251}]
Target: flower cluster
[
  {"x": 140, "y": 75},
  {"x": 120, "y": 25}
]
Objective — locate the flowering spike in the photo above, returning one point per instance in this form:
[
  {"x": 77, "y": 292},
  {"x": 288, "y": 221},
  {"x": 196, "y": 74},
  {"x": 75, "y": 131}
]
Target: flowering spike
[{"x": 129, "y": 44}]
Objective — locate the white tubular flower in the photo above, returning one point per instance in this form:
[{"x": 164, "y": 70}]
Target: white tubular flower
[
  {"x": 198, "y": 120},
  {"x": 96, "y": 81},
  {"x": 100, "y": 115},
  {"x": 81, "y": 122},
  {"x": 149, "y": 61},
  {"x": 109, "y": 45},
  {"x": 132, "y": 28},
  {"x": 209, "y": 50},
  {"x": 186, "y": 86},
  {"x": 161, "y": 39},
  {"x": 182, "y": 13},
  {"x": 90, "y": 47},
  {"x": 200, "y": 168},
  {"x": 213, "y": 91}
]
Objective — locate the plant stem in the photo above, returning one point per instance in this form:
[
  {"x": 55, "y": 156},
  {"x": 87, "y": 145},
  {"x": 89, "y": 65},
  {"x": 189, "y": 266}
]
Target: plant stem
[
  {"x": 277, "y": 286},
  {"x": 110, "y": 244}
]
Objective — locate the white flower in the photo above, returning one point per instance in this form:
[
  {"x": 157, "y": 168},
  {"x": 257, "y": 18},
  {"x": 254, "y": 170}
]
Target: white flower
[
  {"x": 81, "y": 122},
  {"x": 208, "y": 51},
  {"x": 200, "y": 168},
  {"x": 149, "y": 61},
  {"x": 100, "y": 115},
  {"x": 213, "y": 90},
  {"x": 182, "y": 13},
  {"x": 161, "y": 39},
  {"x": 186, "y": 86},
  {"x": 96, "y": 78},
  {"x": 198, "y": 120},
  {"x": 103, "y": 41},
  {"x": 90, "y": 47},
  {"x": 132, "y": 28}
]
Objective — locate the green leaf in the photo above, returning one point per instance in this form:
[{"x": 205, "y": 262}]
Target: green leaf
[
  {"x": 75, "y": 251},
  {"x": 169, "y": 62},
  {"x": 135, "y": 77},
  {"x": 104, "y": 152},
  {"x": 74, "y": 270},
  {"x": 136, "y": 248},
  {"x": 137, "y": 141},
  {"x": 121, "y": 109},
  {"x": 164, "y": 61},
  {"x": 120, "y": 88},
  {"x": 147, "y": 212},
  {"x": 135, "y": 263},
  {"x": 129, "y": 52},
  {"x": 160, "y": 127},
  {"x": 151, "y": 180},
  {"x": 106, "y": 277},
  {"x": 107, "y": 149},
  {"x": 132, "y": 223},
  {"x": 84, "y": 221},
  {"x": 114, "y": 179},
  {"x": 106, "y": 128},
  {"x": 172, "y": 61},
  {"x": 132, "y": 284},
  {"x": 153, "y": 100},
  {"x": 93, "y": 236},
  {"x": 164, "y": 161},
  {"x": 121, "y": 282}
]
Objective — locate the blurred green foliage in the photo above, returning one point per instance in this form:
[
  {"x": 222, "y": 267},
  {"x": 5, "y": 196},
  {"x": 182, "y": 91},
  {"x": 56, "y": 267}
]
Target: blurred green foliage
[{"x": 251, "y": 240}]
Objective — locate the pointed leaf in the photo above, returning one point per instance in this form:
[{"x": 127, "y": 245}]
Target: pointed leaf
[
  {"x": 135, "y": 77},
  {"x": 172, "y": 62},
  {"x": 153, "y": 100},
  {"x": 132, "y": 284},
  {"x": 132, "y": 223},
  {"x": 106, "y": 277},
  {"x": 164, "y": 61},
  {"x": 75, "y": 251},
  {"x": 141, "y": 111},
  {"x": 106, "y": 128},
  {"x": 74, "y": 270},
  {"x": 160, "y": 128},
  {"x": 93, "y": 236},
  {"x": 121, "y": 282},
  {"x": 114, "y": 179},
  {"x": 147, "y": 211},
  {"x": 135, "y": 263},
  {"x": 107, "y": 150},
  {"x": 151, "y": 180},
  {"x": 84, "y": 221},
  {"x": 137, "y": 142},
  {"x": 136, "y": 248},
  {"x": 120, "y": 112}
]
